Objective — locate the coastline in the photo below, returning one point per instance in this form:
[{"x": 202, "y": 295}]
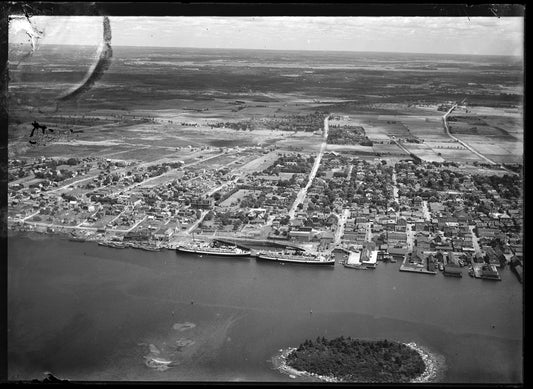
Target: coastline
[
  {"x": 280, "y": 363},
  {"x": 41, "y": 234},
  {"x": 432, "y": 371},
  {"x": 434, "y": 365}
]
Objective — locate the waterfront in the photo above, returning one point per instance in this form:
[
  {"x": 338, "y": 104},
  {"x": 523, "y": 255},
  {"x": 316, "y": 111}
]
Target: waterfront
[{"x": 87, "y": 312}]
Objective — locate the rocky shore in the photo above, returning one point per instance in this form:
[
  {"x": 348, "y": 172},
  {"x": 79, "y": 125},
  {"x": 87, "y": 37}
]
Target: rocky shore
[{"x": 432, "y": 372}]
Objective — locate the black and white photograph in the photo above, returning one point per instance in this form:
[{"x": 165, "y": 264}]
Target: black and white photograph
[{"x": 264, "y": 196}]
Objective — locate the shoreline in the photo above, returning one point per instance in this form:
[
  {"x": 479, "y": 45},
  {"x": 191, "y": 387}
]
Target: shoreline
[{"x": 432, "y": 371}]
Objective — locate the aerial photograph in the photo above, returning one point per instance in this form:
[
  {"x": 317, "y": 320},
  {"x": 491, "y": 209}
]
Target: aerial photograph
[{"x": 268, "y": 199}]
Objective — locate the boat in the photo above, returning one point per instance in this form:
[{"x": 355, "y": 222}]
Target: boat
[
  {"x": 204, "y": 248},
  {"x": 299, "y": 257},
  {"x": 357, "y": 266}
]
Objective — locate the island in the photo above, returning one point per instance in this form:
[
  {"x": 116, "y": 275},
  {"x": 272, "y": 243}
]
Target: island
[{"x": 353, "y": 360}]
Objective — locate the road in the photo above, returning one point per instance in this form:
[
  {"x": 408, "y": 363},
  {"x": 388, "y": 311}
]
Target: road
[
  {"x": 368, "y": 237},
  {"x": 425, "y": 210},
  {"x": 445, "y": 123},
  {"x": 214, "y": 190},
  {"x": 127, "y": 189},
  {"x": 197, "y": 222},
  {"x": 401, "y": 146},
  {"x": 395, "y": 190},
  {"x": 340, "y": 227},
  {"x": 410, "y": 237},
  {"x": 475, "y": 241},
  {"x": 303, "y": 192}
]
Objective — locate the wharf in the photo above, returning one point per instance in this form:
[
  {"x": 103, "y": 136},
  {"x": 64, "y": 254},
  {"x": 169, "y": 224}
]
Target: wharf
[
  {"x": 415, "y": 269},
  {"x": 246, "y": 243},
  {"x": 492, "y": 273}
]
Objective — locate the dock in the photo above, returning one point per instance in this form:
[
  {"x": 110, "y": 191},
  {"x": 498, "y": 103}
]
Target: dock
[
  {"x": 486, "y": 271},
  {"x": 415, "y": 268},
  {"x": 371, "y": 260}
]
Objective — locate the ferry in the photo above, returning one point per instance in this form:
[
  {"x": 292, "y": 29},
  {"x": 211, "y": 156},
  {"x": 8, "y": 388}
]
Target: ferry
[
  {"x": 204, "y": 248},
  {"x": 291, "y": 256}
]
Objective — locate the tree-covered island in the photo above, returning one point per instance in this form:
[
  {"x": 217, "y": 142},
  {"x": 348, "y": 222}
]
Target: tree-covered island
[{"x": 354, "y": 360}]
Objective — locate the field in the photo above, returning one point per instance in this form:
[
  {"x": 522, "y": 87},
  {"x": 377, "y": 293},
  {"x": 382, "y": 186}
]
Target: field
[{"x": 153, "y": 103}]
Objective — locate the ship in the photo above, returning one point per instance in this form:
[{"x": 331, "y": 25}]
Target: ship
[
  {"x": 215, "y": 249},
  {"x": 293, "y": 256}
]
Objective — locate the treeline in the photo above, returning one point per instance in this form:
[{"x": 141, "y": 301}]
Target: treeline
[{"x": 358, "y": 360}]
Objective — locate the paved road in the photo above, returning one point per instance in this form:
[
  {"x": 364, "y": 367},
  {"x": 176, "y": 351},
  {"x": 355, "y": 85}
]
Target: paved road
[{"x": 303, "y": 192}]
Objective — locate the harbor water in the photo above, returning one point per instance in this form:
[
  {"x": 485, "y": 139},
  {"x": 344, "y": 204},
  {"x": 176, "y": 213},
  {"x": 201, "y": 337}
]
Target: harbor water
[{"x": 88, "y": 312}]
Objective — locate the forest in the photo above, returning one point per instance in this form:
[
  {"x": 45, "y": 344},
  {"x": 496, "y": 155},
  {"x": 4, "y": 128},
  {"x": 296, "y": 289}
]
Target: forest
[{"x": 355, "y": 360}]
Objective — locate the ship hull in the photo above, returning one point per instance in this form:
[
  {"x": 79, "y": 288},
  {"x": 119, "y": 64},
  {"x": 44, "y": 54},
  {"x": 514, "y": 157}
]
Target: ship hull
[
  {"x": 295, "y": 261},
  {"x": 211, "y": 253}
]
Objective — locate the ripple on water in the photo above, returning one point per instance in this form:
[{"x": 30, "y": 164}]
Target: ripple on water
[
  {"x": 160, "y": 358},
  {"x": 183, "y": 326}
]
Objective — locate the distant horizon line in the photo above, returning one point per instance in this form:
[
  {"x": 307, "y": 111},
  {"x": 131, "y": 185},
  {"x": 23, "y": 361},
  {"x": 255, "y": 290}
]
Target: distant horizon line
[{"x": 287, "y": 50}]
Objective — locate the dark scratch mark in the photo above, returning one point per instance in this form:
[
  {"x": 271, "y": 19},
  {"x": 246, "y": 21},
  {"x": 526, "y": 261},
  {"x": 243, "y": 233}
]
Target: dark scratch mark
[
  {"x": 37, "y": 126},
  {"x": 96, "y": 71}
]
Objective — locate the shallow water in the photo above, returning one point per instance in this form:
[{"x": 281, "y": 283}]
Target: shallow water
[{"x": 87, "y": 312}]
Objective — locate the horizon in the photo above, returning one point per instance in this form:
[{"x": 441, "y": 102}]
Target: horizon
[
  {"x": 281, "y": 50},
  {"x": 416, "y": 35}
]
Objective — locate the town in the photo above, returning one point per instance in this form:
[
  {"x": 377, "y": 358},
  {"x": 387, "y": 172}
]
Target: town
[{"x": 385, "y": 206}]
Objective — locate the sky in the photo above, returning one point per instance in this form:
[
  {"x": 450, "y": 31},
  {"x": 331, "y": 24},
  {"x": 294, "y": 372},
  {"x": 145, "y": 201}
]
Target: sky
[{"x": 446, "y": 35}]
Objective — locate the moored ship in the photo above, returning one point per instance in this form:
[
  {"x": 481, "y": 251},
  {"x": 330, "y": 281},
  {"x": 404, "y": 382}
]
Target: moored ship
[
  {"x": 204, "y": 248},
  {"x": 299, "y": 257}
]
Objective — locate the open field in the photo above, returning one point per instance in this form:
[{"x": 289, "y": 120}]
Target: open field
[
  {"x": 424, "y": 152},
  {"x": 153, "y": 101},
  {"x": 355, "y": 149}
]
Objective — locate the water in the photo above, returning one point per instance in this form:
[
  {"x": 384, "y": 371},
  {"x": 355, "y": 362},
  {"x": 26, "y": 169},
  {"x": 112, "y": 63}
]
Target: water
[{"x": 87, "y": 312}]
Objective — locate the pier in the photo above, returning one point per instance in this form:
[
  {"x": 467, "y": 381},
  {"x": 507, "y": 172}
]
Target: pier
[{"x": 415, "y": 268}]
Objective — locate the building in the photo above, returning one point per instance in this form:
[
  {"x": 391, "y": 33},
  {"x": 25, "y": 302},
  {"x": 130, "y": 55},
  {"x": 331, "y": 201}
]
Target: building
[
  {"x": 300, "y": 236},
  {"x": 452, "y": 270}
]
